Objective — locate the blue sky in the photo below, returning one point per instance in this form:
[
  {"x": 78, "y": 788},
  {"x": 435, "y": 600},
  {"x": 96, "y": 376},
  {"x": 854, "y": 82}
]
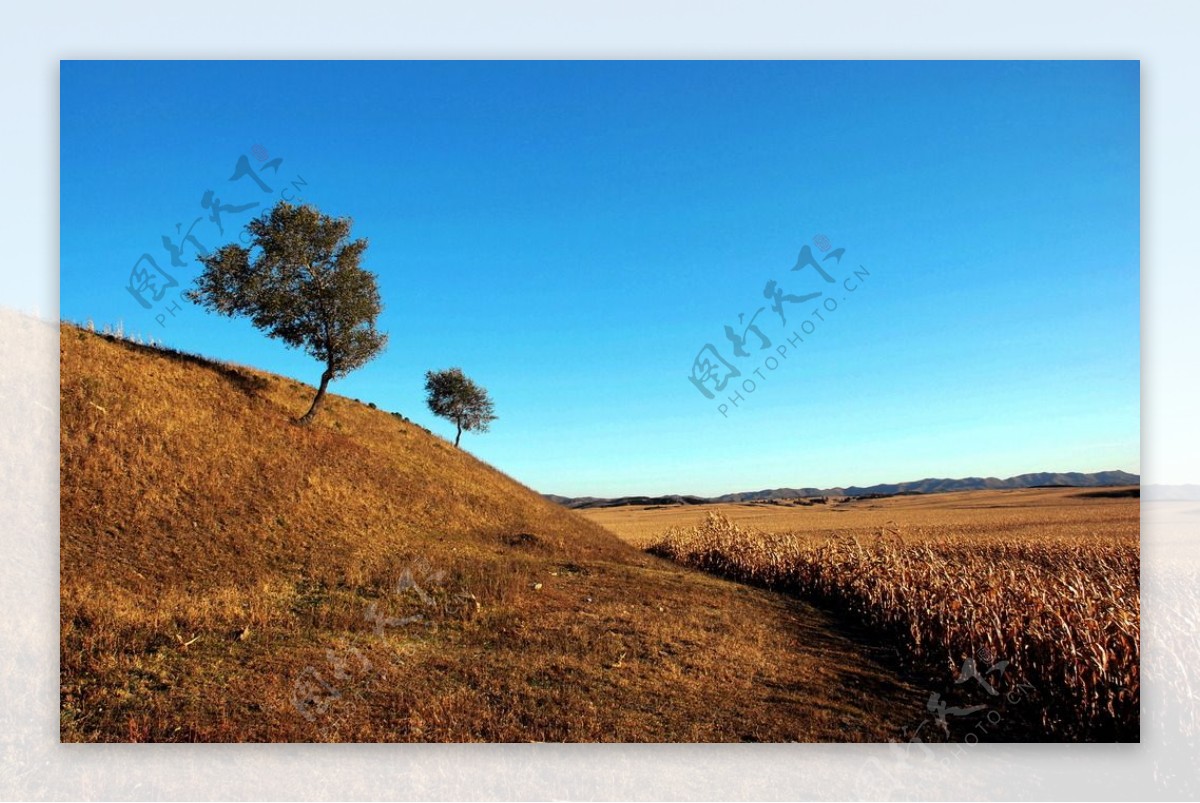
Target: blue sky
[{"x": 573, "y": 234}]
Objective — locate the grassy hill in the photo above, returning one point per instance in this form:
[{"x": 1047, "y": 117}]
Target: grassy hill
[{"x": 227, "y": 575}]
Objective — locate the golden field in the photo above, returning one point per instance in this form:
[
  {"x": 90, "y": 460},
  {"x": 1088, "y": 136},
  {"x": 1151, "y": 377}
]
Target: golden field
[
  {"x": 1053, "y": 512},
  {"x": 1046, "y": 580}
]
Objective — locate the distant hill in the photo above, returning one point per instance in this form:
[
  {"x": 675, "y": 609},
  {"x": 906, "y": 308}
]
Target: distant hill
[
  {"x": 1071, "y": 479},
  {"x": 592, "y": 501}
]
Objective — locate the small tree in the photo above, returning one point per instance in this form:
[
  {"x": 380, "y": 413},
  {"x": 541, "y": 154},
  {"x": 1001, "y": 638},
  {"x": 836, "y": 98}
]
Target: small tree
[
  {"x": 300, "y": 282},
  {"x": 455, "y": 397}
]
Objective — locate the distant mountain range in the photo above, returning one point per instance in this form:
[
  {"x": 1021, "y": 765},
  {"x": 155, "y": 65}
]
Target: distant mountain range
[{"x": 1072, "y": 479}]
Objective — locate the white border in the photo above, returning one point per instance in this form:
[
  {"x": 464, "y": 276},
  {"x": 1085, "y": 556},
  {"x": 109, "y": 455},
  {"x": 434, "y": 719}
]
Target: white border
[{"x": 33, "y": 765}]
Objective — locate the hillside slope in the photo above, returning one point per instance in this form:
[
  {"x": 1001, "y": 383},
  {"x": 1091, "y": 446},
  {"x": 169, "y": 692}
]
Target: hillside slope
[{"x": 227, "y": 575}]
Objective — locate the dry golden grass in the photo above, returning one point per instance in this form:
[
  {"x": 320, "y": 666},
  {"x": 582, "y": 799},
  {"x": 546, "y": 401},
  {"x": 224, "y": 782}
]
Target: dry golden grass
[
  {"x": 1047, "y": 580},
  {"x": 229, "y": 576}
]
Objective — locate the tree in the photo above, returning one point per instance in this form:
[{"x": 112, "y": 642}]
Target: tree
[
  {"x": 299, "y": 281},
  {"x": 453, "y": 396}
]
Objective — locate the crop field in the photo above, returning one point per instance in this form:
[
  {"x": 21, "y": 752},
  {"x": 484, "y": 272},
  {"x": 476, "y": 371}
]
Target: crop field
[{"x": 1031, "y": 591}]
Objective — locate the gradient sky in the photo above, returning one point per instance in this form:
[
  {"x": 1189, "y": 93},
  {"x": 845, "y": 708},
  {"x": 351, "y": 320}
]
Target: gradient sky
[{"x": 572, "y": 234}]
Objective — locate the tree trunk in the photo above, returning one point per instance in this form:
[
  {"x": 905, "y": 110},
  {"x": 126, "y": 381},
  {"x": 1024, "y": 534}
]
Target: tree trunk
[
  {"x": 458, "y": 434},
  {"x": 316, "y": 403}
]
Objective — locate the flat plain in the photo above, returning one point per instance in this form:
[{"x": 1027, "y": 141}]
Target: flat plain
[{"x": 1040, "y": 513}]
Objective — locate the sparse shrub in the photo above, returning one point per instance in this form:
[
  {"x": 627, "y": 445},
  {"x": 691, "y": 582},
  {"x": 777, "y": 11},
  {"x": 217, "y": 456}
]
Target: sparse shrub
[{"x": 450, "y": 394}]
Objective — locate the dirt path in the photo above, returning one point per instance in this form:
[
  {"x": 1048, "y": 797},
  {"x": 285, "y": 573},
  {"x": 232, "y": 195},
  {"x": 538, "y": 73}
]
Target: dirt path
[{"x": 671, "y": 654}]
